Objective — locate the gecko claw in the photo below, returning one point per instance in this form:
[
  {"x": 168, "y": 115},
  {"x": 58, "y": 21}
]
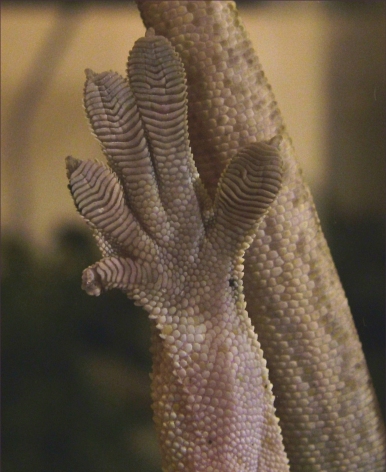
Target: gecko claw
[{"x": 91, "y": 282}]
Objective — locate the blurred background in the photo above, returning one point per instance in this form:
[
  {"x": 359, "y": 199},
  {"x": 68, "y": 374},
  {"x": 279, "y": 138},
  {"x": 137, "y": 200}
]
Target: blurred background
[{"x": 76, "y": 391}]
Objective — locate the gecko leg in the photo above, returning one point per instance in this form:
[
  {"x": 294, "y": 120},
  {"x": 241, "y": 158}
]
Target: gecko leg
[{"x": 180, "y": 256}]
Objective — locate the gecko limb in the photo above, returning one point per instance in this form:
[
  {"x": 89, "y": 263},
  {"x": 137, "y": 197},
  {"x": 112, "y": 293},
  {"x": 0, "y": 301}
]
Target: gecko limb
[{"x": 179, "y": 256}]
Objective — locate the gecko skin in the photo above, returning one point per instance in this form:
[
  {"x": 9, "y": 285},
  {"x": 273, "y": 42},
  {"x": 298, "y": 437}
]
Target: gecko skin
[
  {"x": 179, "y": 256},
  {"x": 324, "y": 397},
  {"x": 166, "y": 246}
]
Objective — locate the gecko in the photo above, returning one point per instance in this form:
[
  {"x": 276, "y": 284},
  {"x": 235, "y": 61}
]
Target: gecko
[{"x": 327, "y": 412}]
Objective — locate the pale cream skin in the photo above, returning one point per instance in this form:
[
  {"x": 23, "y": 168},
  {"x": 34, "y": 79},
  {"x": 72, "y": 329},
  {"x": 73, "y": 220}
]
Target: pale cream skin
[{"x": 179, "y": 256}]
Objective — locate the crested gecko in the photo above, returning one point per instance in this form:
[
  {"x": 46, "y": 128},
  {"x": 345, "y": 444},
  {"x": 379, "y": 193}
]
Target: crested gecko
[{"x": 174, "y": 240}]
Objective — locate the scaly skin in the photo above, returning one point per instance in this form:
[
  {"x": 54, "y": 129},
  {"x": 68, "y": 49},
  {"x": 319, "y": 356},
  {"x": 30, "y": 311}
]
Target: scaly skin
[
  {"x": 166, "y": 246},
  {"x": 324, "y": 398}
]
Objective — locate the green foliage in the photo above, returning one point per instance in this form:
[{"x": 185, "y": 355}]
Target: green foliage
[{"x": 76, "y": 394}]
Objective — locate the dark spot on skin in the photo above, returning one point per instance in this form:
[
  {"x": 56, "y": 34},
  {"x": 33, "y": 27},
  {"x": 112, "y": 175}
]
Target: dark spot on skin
[
  {"x": 196, "y": 22},
  {"x": 216, "y": 58},
  {"x": 216, "y": 27},
  {"x": 191, "y": 7},
  {"x": 300, "y": 243},
  {"x": 210, "y": 441}
]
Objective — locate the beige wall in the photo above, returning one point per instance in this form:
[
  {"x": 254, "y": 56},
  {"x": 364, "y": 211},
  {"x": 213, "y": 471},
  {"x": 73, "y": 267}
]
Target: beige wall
[{"x": 292, "y": 40}]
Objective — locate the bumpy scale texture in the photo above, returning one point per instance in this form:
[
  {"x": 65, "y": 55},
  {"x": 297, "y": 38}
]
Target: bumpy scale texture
[
  {"x": 181, "y": 257},
  {"x": 324, "y": 398}
]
